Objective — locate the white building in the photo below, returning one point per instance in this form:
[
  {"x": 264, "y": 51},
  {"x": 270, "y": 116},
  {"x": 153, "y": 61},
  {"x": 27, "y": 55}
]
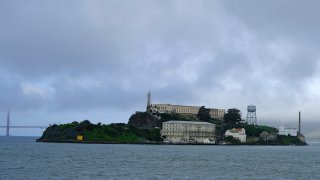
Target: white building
[
  {"x": 288, "y": 131},
  {"x": 237, "y": 133},
  {"x": 185, "y": 132},
  {"x": 180, "y": 109},
  {"x": 188, "y": 110}
]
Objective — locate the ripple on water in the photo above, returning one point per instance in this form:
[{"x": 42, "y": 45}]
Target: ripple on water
[{"x": 22, "y": 158}]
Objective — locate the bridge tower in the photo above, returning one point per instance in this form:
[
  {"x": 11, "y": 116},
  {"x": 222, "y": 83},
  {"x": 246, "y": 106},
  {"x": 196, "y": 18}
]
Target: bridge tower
[
  {"x": 299, "y": 124},
  {"x": 8, "y": 124},
  {"x": 149, "y": 101}
]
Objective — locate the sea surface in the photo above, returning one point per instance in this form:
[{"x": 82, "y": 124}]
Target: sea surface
[{"x": 23, "y": 158}]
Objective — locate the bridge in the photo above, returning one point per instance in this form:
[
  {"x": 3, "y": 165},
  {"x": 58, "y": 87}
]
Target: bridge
[{"x": 8, "y": 126}]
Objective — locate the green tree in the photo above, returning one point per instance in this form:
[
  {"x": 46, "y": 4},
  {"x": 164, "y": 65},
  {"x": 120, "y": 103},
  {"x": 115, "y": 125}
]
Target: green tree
[
  {"x": 233, "y": 116},
  {"x": 203, "y": 114},
  {"x": 232, "y": 140}
]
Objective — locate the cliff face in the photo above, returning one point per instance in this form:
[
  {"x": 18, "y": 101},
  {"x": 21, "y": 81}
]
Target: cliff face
[{"x": 143, "y": 120}]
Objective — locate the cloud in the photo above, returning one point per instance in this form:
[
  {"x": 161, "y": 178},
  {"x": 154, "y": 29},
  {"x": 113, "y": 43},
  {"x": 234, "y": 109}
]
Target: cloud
[{"x": 101, "y": 57}]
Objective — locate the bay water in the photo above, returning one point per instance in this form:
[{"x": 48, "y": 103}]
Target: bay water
[{"x": 23, "y": 158}]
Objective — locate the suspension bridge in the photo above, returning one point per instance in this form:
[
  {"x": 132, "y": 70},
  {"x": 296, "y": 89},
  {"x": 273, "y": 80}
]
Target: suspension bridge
[{"x": 8, "y": 126}]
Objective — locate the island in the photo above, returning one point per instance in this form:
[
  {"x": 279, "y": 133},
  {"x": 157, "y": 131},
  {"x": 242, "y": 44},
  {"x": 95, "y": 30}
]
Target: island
[{"x": 147, "y": 128}]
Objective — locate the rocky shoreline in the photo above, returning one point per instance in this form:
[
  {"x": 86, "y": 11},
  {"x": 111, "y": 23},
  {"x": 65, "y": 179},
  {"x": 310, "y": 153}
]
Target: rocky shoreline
[{"x": 158, "y": 143}]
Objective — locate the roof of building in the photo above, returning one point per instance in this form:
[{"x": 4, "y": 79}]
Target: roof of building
[
  {"x": 232, "y": 131},
  {"x": 238, "y": 129},
  {"x": 235, "y": 130},
  {"x": 184, "y": 106},
  {"x": 185, "y": 122}
]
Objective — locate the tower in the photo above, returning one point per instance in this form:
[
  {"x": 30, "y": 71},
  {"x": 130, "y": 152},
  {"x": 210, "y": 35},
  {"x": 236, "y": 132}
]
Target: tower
[
  {"x": 149, "y": 101},
  {"x": 299, "y": 124},
  {"x": 299, "y": 134},
  {"x": 251, "y": 115},
  {"x": 8, "y": 124}
]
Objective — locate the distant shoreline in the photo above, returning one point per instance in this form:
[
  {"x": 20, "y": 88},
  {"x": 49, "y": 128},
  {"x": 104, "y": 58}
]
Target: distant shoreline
[
  {"x": 158, "y": 143},
  {"x": 94, "y": 142}
]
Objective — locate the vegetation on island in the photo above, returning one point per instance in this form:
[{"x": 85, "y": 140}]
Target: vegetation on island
[
  {"x": 231, "y": 140},
  {"x": 99, "y": 133},
  {"x": 290, "y": 140}
]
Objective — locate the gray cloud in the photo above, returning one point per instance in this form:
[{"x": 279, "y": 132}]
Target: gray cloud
[{"x": 98, "y": 59}]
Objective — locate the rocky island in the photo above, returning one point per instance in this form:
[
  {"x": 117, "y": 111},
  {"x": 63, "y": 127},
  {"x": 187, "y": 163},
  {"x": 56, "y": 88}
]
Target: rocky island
[
  {"x": 176, "y": 124},
  {"x": 145, "y": 128}
]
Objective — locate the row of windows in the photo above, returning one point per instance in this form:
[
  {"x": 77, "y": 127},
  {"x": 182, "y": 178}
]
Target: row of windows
[
  {"x": 190, "y": 133},
  {"x": 189, "y": 111},
  {"x": 180, "y": 109},
  {"x": 162, "y": 108},
  {"x": 189, "y": 126},
  {"x": 190, "y": 130},
  {"x": 186, "y": 108}
]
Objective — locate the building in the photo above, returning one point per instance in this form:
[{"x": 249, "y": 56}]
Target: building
[
  {"x": 266, "y": 136},
  {"x": 288, "y": 131},
  {"x": 180, "y": 109},
  {"x": 237, "y": 133},
  {"x": 187, "y": 110},
  {"x": 188, "y": 132}
]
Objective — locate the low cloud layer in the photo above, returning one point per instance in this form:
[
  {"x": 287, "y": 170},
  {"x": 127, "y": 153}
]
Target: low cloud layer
[{"x": 78, "y": 59}]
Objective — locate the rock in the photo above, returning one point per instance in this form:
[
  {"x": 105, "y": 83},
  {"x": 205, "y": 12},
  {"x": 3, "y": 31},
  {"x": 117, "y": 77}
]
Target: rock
[{"x": 143, "y": 120}]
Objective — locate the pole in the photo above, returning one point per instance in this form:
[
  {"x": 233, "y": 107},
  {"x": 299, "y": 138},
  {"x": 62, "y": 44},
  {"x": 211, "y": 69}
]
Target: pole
[
  {"x": 8, "y": 124},
  {"x": 299, "y": 126},
  {"x": 149, "y": 101}
]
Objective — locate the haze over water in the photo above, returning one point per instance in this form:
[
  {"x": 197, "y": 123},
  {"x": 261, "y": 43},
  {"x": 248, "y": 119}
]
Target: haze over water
[{"x": 23, "y": 158}]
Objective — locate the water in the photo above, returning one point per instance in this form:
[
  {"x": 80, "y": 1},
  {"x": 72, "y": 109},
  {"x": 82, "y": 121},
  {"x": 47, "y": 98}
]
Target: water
[{"x": 23, "y": 158}]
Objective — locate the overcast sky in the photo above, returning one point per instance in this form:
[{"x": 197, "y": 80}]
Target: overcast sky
[{"x": 64, "y": 61}]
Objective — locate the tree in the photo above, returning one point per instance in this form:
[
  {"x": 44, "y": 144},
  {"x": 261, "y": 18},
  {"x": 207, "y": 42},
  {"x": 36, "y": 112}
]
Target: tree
[
  {"x": 203, "y": 114},
  {"x": 232, "y": 140},
  {"x": 233, "y": 116}
]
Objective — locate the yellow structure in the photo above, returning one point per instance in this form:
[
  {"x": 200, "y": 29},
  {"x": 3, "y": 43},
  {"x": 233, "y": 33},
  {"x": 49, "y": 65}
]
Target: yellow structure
[{"x": 79, "y": 138}]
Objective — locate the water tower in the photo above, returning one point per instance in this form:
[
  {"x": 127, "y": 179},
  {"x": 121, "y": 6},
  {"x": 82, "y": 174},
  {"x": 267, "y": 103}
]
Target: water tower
[{"x": 251, "y": 115}]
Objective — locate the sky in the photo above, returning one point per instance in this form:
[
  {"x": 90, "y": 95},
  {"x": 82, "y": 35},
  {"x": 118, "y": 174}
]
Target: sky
[{"x": 64, "y": 61}]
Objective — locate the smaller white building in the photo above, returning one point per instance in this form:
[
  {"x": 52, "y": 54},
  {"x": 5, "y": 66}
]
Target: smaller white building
[
  {"x": 288, "y": 131},
  {"x": 237, "y": 133}
]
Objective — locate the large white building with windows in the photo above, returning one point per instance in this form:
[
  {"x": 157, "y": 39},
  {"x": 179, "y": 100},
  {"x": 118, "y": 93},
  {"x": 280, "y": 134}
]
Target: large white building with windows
[
  {"x": 188, "y": 110},
  {"x": 180, "y": 109},
  {"x": 188, "y": 132}
]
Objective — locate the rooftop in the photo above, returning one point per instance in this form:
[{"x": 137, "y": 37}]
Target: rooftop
[
  {"x": 185, "y": 122},
  {"x": 183, "y": 106},
  {"x": 235, "y": 130}
]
